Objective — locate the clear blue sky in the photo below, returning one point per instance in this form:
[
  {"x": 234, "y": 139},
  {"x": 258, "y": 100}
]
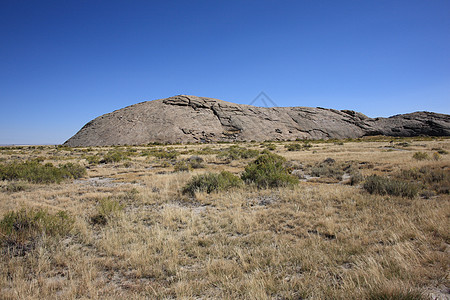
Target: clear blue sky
[{"x": 63, "y": 63}]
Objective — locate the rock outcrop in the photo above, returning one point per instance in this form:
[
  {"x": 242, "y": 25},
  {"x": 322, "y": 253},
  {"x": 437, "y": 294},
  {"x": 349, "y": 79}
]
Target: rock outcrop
[{"x": 183, "y": 119}]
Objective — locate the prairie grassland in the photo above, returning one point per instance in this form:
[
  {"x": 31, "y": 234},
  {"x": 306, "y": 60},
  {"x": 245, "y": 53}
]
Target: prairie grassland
[{"x": 134, "y": 234}]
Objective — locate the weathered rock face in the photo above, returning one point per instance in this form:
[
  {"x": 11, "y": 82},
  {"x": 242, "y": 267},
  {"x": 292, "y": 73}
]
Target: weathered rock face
[{"x": 183, "y": 119}]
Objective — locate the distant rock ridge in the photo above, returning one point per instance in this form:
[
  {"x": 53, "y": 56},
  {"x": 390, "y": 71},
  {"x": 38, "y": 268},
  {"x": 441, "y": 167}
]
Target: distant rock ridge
[{"x": 190, "y": 119}]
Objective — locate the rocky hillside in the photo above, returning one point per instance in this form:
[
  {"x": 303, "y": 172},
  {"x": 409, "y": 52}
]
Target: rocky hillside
[{"x": 183, "y": 119}]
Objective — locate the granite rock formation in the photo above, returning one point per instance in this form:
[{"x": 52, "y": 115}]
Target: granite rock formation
[{"x": 183, "y": 119}]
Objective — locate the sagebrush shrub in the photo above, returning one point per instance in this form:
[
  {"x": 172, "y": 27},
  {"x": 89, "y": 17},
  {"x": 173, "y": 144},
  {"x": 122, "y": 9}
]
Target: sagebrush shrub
[
  {"x": 182, "y": 166},
  {"x": 107, "y": 210},
  {"x": 267, "y": 171},
  {"x": 375, "y": 184},
  {"x": 21, "y": 230},
  {"x": 36, "y": 172},
  {"x": 236, "y": 152},
  {"x": 211, "y": 182},
  {"x": 294, "y": 147},
  {"x": 431, "y": 177},
  {"x": 196, "y": 162},
  {"x": 114, "y": 156},
  {"x": 420, "y": 156}
]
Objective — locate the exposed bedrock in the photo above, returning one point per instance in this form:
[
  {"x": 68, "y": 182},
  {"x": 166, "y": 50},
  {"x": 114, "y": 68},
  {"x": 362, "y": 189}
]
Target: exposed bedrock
[{"x": 183, "y": 119}]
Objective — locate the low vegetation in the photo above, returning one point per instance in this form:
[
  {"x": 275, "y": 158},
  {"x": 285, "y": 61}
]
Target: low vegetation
[
  {"x": 421, "y": 156},
  {"x": 236, "y": 152},
  {"x": 349, "y": 220},
  {"x": 328, "y": 169},
  {"x": 387, "y": 186},
  {"x": 212, "y": 182},
  {"x": 267, "y": 171},
  {"x": 36, "y": 172},
  {"x": 21, "y": 231},
  {"x": 113, "y": 156},
  {"x": 108, "y": 209}
]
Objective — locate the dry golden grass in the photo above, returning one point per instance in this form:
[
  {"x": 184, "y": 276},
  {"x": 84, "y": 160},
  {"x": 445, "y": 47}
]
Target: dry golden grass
[{"x": 311, "y": 241}]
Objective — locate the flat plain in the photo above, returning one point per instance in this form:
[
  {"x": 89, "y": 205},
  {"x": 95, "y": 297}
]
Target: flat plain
[{"x": 128, "y": 228}]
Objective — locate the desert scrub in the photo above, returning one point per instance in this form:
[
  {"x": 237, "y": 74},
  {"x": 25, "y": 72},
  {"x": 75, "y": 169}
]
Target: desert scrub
[
  {"x": 33, "y": 171},
  {"x": 430, "y": 177},
  {"x": 375, "y": 184},
  {"x": 267, "y": 171},
  {"x": 113, "y": 157},
  {"x": 293, "y": 147},
  {"x": 236, "y": 152},
  {"x": 297, "y": 146},
  {"x": 270, "y": 146},
  {"x": 20, "y": 231},
  {"x": 107, "y": 210},
  {"x": 161, "y": 153},
  {"x": 420, "y": 156},
  {"x": 206, "y": 151},
  {"x": 211, "y": 182},
  {"x": 327, "y": 169},
  {"x": 92, "y": 159},
  {"x": 196, "y": 162},
  {"x": 193, "y": 162},
  {"x": 16, "y": 186},
  {"x": 182, "y": 166}
]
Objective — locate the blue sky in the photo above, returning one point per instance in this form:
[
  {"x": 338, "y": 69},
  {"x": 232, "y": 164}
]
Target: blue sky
[{"x": 63, "y": 63}]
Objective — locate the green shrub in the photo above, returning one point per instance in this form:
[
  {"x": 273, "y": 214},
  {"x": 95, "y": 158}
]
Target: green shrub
[
  {"x": 327, "y": 169},
  {"x": 306, "y": 145},
  {"x": 431, "y": 177},
  {"x": 114, "y": 156},
  {"x": 161, "y": 153},
  {"x": 297, "y": 146},
  {"x": 236, "y": 152},
  {"x": 35, "y": 172},
  {"x": 267, "y": 171},
  {"x": 107, "y": 210},
  {"x": 386, "y": 186},
  {"x": 206, "y": 151},
  {"x": 73, "y": 170},
  {"x": 271, "y": 147},
  {"x": 421, "y": 156},
  {"x": 211, "y": 182},
  {"x": 21, "y": 231},
  {"x": 196, "y": 162},
  {"x": 403, "y": 144},
  {"x": 182, "y": 166},
  {"x": 93, "y": 159},
  {"x": 293, "y": 147}
]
